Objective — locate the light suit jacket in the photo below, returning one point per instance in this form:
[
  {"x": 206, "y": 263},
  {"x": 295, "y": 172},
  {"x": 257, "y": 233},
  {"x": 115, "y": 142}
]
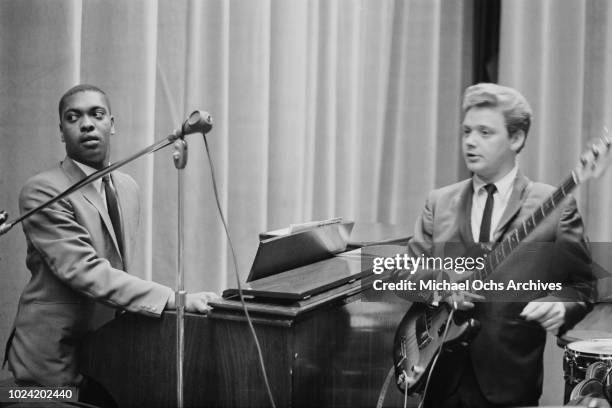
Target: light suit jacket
[
  {"x": 77, "y": 273},
  {"x": 507, "y": 353}
]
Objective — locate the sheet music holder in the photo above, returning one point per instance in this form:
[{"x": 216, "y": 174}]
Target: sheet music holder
[
  {"x": 298, "y": 265},
  {"x": 279, "y": 254}
]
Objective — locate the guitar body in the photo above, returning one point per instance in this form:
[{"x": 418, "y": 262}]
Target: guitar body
[
  {"x": 419, "y": 335},
  {"x": 418, "y": 338}
]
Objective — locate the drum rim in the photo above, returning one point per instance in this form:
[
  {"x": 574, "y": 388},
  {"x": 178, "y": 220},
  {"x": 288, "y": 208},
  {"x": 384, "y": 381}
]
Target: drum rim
[{"x": 606, "y": 356}]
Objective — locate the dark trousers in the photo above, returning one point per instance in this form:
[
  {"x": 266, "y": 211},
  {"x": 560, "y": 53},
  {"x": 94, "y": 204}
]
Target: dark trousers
[
  {"x": 466, "y": 395},
  {"x": 466, "y": 392}
]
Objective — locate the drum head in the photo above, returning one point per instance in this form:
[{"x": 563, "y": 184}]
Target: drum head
[{"x": 598, "y": 347}]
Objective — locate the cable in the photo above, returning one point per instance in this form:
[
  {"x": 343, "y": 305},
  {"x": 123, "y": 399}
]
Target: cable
[
  {"x": 240, "y": 294},
  {"x": 406, "y": 398}
]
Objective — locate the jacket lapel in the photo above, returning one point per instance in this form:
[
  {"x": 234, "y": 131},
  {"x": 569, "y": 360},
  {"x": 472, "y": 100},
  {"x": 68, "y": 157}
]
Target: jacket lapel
[
  {"x": 465, "y": 212},
  {"x": 75, "y": 174},
  {"x": 514, "y": 203}
]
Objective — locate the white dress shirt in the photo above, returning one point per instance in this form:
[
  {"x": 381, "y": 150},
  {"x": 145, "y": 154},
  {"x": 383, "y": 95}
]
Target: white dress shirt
[
  {"x": 97, "y": 184},
  {"x": 501, "y": 196}
]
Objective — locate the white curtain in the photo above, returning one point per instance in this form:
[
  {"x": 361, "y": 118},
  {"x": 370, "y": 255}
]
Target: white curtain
[
  {"x": 322, "y": 108},
  {"x": 559, "y": 54}
]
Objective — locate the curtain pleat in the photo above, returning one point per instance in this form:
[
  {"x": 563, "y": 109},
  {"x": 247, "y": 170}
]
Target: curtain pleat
[
  {"x": 39, "y": 59},
  {"x": 108, "y": 60},
  {"x": 557, "y": 53},
  {"x": 566, "y": 75}
]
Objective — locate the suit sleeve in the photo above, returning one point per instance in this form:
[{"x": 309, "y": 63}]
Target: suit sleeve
[
  {"x": 573, "y": 266},
  {"x": 67, "y": 249},
  {"x": 421, "y": 243},
  {"x": 422, "y": 240}
]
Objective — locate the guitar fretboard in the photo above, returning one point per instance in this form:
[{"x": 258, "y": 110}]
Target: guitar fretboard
[{"x": 513, "y": 238}]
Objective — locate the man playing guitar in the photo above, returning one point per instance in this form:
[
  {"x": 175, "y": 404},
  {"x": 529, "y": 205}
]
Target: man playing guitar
[{"x": 502, "y": 365}]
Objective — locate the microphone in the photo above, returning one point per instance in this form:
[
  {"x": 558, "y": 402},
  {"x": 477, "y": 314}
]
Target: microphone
[{"x": 198, "y": 122}]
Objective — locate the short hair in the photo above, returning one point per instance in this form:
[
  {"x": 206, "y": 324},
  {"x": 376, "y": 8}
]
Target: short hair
[
  {"x": 81, "y": 88},
  {"x": 513, "y": 105}
]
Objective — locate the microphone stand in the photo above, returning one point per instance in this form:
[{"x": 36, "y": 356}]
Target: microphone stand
[
  {"x": 180, "y": 161},
  {"x": 198, "y": 121}
]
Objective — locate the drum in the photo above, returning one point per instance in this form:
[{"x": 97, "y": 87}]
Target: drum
[{"x": 587, "y": 360}]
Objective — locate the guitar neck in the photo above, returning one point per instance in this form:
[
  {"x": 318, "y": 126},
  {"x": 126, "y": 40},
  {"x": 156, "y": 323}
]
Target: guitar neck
[{"x": 513, "y": 238}]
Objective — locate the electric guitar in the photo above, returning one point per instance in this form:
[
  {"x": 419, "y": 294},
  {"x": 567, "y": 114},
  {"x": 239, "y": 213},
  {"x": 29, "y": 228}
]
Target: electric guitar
[{"x": 420, "y": 334}]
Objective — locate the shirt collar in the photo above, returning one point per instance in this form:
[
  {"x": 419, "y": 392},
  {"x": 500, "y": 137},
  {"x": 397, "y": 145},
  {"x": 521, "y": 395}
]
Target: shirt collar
[
  {"x": 88, "y": 170},
  {"x": 503, "y": 185}
]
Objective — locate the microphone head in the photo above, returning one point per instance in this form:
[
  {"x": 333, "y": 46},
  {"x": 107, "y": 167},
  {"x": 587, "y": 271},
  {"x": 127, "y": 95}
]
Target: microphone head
[{"x": 198, "y": 122}]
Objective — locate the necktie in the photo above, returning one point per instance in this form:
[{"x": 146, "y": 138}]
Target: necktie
[
  {"x": 485, "y": 225},
  {"x": 113, "y": 210}
]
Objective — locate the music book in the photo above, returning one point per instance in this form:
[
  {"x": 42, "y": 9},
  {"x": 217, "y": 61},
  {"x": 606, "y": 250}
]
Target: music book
[
  {"x": 292, "y": 228},
  {"x": 284, "y": 252}
]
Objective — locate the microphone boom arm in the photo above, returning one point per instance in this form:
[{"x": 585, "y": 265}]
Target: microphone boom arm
[{"x": 188, "y": 127}]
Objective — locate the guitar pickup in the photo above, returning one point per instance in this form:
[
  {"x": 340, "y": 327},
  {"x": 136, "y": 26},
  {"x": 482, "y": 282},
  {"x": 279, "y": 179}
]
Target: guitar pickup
[{"x": 424, "y": 340}]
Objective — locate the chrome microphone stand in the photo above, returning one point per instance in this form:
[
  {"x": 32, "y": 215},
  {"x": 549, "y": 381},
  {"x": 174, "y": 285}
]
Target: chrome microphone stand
[{"x": 180, "y": 161}]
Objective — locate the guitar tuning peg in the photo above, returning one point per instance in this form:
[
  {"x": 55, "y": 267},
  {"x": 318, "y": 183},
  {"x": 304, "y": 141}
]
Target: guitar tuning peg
[
  {"x": 583, "y": 161},
  {"x": 595, "y": 151},
  {"x": 606, "y": 141}
]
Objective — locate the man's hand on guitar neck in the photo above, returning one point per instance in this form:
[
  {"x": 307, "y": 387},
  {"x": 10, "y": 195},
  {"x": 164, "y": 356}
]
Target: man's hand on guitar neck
[{"x": 550, "y": 315}]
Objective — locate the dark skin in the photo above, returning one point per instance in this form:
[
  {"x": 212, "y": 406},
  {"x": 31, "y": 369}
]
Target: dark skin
[{"x": 86, "y": 126}]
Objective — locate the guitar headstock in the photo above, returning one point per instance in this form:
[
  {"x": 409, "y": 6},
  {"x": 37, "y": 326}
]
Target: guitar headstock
[{"x": 595, "y": 161}]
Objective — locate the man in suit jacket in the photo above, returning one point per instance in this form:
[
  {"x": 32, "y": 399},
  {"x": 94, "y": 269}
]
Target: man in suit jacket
[
  {"x": 503, "y": 364},
  {"x": 77, "y": 253}
]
